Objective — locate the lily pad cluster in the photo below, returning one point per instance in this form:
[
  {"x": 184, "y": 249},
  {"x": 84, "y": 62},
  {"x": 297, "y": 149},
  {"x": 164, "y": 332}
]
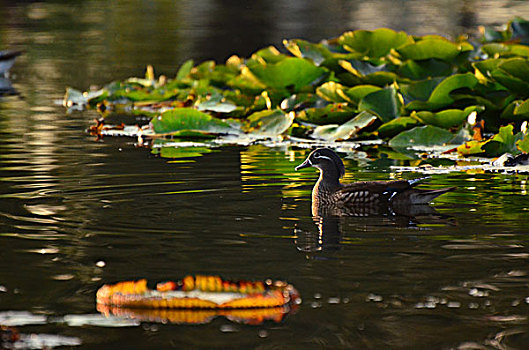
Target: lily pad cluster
[{"x": 406, "y": 90}]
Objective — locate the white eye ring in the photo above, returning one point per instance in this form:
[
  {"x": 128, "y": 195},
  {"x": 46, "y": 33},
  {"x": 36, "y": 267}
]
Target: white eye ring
[{"x": 319, "y": 156}]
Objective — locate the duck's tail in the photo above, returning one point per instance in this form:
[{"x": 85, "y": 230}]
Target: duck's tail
[{"x": 426, "y": 196}]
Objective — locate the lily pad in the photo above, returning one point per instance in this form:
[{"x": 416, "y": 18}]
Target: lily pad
[
  {"x": 304, "y": 49},
  {"x": 503, "y": 142},
  {"x": 447, "y": 118},
  {"x": 291, "y": 72},
  {"x": 440, "y": 96},
  {"x": 397, "y": 125},
  {"x": 184, "y": 70},
  {"x": 421, "y": 136},
  {"x": 345, "y": 131},
  {"x": 178, "y": 121},
  {"x": 385, "y": 103},
  {"x": 269, "y": 122},
  {"x": 373, "y": 44},
  {"x": 333, "y": 92},
  {"x": 433, "y": 47},
  {"x": 334, "y": 113}
]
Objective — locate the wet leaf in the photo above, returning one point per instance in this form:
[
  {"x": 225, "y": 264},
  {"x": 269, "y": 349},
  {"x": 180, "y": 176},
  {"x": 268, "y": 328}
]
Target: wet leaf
[
  {"x": 503, "y": 142},
  {"x": 421, "y": 136},
  {"x": 432, "y": 47},
  {"x": 523, "y": 144},
  {"x": 447, "y": 118},
  {"x": 184, "y": 70},
  {"x": 180, "y": 121},
  {"x": 424, "y": 69},
  {"x": 269, "y": 122},
  {"x": 290, "y": 72},
  {"x": 357, "y": 93},
  {"x": 216, "y": 104},
  {"x": 384, "y": 103},
  {"x": 440, "y": 96},
  {"x": 345, "y": 131},
  {"x": 397, "y": 125},
  {"x": 333, "y": 92},
  {"x": 374, "y": 44},
  {"x": 304, "y": 49},
  {"x": 471, "y": 148},
  {"x": 334, "y": 113}
]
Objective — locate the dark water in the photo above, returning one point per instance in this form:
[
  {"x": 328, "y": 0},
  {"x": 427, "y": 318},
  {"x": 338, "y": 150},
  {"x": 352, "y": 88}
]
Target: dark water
[{"x": 76, "y": 213}]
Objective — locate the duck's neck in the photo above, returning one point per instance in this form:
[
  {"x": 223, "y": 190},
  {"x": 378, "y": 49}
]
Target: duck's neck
[{"x": 327, "y": 183}]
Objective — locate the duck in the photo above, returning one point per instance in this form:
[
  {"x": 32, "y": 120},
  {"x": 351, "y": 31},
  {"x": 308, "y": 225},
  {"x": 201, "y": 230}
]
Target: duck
[{"x": 329, "y": 195}]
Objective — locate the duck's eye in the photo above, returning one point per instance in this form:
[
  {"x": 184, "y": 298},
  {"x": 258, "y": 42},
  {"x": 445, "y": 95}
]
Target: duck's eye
[{"x": 317, "y": 155}]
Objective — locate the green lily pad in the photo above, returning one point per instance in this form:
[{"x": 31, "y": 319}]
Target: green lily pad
[
  {"x": 182, "y": 121},
  {"x": 432, "y": 47},
  {"x": 397, "y": 125},
  {"x": 269, "y": 122},
  {"x": 385, "y": 103},
  {"x": 373, "y": 44},
  {"x": 318, "y": 53},
  {"x": 184, "y": 70},
  {"x": 440, "y": 96},
  {"x": 523, "y": 144},
  {"x": 358, "y": 92},
  {"x": 503, "y": 142},
  {"x": 522, "y": 109},
  {"x": 333, "y": 92},
  {"x": 424, "y": 69},
  {"x": 447, "y": 118},
  {"x": 345, "y": 131},
  {"x": 334, "y": 113},
  {"x": 421, "y": 136},
  {"x": 216, "y": 103},
  {"x": 291, "y": 72}
]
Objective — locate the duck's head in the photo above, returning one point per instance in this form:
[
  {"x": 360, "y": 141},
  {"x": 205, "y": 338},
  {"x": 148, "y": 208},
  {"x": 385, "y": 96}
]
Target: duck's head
[{"x": 324, "y": 159}]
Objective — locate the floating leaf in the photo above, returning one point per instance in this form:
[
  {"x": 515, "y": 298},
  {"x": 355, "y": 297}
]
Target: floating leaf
[
  {"x": 440, "y": 96},
  {"x": 334, "y": 113},
  {"x": 345, "y": 131},
  {"x": 184, "y": 70},
  {"x": 432, "y": 47},
  {"x": 269, "y": 122},
  {"x": 471, "y": 148},
  {"x": 216, "y": 104},
  {"x": 304, "y": 49},
  {"x": 180, "y": 120},
  {"x": 447, "y": 118},
  {"x": 290, "y": 72},
  {"x": 421, "y": 136},
  {"x": 357, "y": 93},
  {"x": 374, "y": 44},
  {"x": 384, "y": 103},
  {"x": 503, "y": 142},
  {"x": 424, "y": 69},
  {"x": 397, "y": 125},
  {"x": 332, "y": 92},
  {"x": 523, "y": 144}
]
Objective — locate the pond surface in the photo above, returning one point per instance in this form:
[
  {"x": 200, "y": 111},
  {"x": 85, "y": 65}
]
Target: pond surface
[{"x": 76, "y": 212}]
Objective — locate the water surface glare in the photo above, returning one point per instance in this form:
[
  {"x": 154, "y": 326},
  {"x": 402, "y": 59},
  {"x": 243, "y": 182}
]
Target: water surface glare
[{"x": 76, "y": 212}]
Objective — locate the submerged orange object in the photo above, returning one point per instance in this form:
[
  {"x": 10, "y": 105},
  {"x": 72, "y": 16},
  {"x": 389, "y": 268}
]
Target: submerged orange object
[{"x": 198, "y": 292}]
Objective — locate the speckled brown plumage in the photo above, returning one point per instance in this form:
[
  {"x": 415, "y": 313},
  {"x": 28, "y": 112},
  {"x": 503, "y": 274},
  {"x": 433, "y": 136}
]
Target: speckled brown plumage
[{"x": 365, "y": 197}]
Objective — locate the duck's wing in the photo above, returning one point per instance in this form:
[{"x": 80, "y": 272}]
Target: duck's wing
[{"x": 367, "y": 192}]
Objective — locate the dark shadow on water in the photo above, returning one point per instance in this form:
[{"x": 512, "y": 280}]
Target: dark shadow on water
[{"x": 329, "y": 222}]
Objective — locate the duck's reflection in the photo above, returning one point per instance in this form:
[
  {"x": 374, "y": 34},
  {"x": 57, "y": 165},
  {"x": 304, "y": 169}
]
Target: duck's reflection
[{"x": 329, "y": 222}]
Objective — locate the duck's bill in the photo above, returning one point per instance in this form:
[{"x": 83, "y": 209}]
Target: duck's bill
[{"x": 305, "y": 164}]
